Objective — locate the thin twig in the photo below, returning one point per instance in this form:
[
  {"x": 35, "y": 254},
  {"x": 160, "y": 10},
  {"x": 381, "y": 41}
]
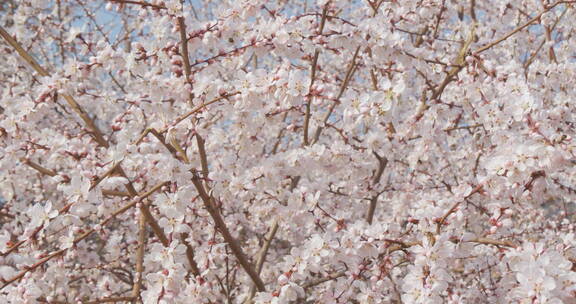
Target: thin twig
[
  {"x": 160, "y": 138},
  {"x": 105, "y": 175}
]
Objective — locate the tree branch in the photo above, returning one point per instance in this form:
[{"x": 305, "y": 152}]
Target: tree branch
[
  {"x": 262, "y": 257},
  {"x": 230, "y": 240},
  {"x": 523, "y": 26},
  {"x": 313, "y": 76},
  {"x": 382, "y": 163},
  {"x": 40, "y": 70},
  {"x": 84, "y": 236},
  {"x": 349, "y": 74}
]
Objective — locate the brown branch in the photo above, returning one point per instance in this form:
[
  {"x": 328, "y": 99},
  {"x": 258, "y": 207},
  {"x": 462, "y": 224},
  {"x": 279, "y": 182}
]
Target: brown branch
[
  {"x": 141, "y": 3},
  {"x": 533, "y": 56},
  {"x": 313, "y": 76},
  {"x": 160, "y": 138},
  {"x": 523, "y": 26},
  {"x": 459, "y": 65},
  {"x": 196, "y": 110},
  {"x": 450, "y": 76},
  {"x": 330, "y": 277},
  {"x": 181, "y": 153},
  {"x": 185, "y": 56},
  {"x": 71, "y": 101},
  {"x": 473, "y": 10},
  {"x": 38, "y": 168},
  {"x": 266, "y": 246},
  {"x": 279, "y": 136},
  {"x": 187, "y": 71},
  {"x": 110, "y": 300},
  {"x": 375, "y": 6},
  {"x": 203, "y": 158},
  {"x": 115, "y": 193},
  {"x": 486, "y": 241},
  {"x": 382, "y": 163},
  {"x": 349, "y": 74},
  {"x": 454, "y": 207},
  {"x": 190, "y": 254},
  {"x": 137, "y": 286},
  {"x": 154, "y": 225},
  {"x": 439, "y": 18},
  {"x": 230, "y": 240},
  {"x": 157, "y": 229},
  {"x": 145, "y": 211},
  {"x": 23, "y": 53},
  {"x": 65, "y": 208},
  {"x": 400, "y": 245},
  {"x": 262, "y": 257},
  {"x": 83, "y": 236},
  {"x": 105, "y": 175}
]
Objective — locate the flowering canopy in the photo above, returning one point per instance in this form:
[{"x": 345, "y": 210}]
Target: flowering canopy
[{"x": 378, "y": 151}]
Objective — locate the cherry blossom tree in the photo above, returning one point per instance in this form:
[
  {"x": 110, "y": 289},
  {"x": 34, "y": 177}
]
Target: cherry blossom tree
[{"x": 251, "y": 151}]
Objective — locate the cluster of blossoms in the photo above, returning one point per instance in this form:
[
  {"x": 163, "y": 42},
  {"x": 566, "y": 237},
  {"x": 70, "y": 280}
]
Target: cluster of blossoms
[{"x": 337, "y": 151}]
